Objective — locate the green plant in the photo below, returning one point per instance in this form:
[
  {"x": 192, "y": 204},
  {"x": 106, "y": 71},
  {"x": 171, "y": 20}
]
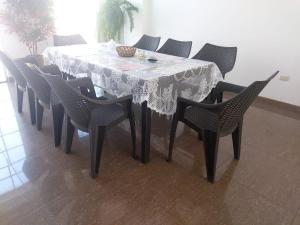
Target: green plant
[
  {"x": 31, "y": 20},
  {"x": 111, "y": 19}
]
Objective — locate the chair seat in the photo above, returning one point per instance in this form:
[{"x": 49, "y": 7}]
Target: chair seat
[
  {"x": 201, "y": 118},
  {"x": 107, "y": 115}
]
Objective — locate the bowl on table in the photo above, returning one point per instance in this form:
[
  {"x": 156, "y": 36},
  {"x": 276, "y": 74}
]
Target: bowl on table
[{"x": 126, "y": 51}]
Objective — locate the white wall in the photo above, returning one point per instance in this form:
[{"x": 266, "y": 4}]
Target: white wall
[
  {"x": 140, "y": 24},
  {"x": 80, "y": 18},
  {"x": 266, "y": 32}
]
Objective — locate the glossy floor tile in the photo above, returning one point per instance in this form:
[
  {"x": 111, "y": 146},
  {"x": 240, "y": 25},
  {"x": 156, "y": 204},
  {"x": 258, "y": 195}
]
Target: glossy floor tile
[
  {"x": 297, "y": 219},
  {"x": 41, "y": 185},
  {"x": 2, "y": 73}
]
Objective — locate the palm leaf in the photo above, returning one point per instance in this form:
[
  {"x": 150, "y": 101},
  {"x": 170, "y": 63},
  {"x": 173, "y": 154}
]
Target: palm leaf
[{"x": 110, "y": 20}]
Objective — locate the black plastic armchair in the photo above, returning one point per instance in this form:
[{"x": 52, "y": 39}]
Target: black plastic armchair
[
  {"x": 90, "y": 115},
  {"x": 74, "y": 39},
  {"x": 176, "y": 48},
  {"x": 217, "y": 120},
  {"x": 44, "y": 97},
  {"x": 148, "y": 43},
  {"x": 21, "y": 83},
  {"x": 64, "y": 40},
  {"x": 223, "y": 57}
]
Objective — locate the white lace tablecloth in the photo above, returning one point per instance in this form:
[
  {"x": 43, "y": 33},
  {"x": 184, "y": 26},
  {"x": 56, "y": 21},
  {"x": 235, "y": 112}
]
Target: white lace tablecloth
[{"x": 157, "y": 83}]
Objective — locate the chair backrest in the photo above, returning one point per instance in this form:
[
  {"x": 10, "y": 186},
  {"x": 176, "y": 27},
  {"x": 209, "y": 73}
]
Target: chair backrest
[
  {"x": 36, "y": 81},
  {"x": 223, "y": 57},
  {"x": 74, "y": 39},
  {"x": 176, "y": 48},
  {"x": 148, "y": 43},
  {"x": 233, "y": 110},
  {"x": 13, "y": 69},
  {"x": 76, "y": 106}
]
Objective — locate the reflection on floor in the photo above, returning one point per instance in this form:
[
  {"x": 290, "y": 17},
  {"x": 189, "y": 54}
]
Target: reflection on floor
[
  {"x": 3, "y": 73},
  {"x": 39, "y": 184}
]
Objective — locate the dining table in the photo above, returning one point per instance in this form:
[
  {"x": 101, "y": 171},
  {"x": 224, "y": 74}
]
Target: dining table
[{"x": 153, "y": 84}]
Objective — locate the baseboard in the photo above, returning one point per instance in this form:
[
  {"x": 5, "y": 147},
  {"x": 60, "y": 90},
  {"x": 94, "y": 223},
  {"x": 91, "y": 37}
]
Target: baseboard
[
  {"x": 284, "y": 105},
  {"x": 274, "y": 106}
]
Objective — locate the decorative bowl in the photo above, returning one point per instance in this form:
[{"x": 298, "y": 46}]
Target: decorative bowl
[{"x": 126, "y": 51}]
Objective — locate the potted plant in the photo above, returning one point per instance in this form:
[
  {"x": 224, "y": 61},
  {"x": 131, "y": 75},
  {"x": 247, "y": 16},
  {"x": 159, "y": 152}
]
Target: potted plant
[
  {"x": 111, "y": 19},
  {"x": 31, "y": 20}
]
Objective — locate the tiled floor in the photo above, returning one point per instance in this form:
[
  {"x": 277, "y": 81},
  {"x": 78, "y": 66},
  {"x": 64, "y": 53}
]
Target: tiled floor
[
  {"x": 2, "y": 73},
  {"x": 40, "y": 185}
]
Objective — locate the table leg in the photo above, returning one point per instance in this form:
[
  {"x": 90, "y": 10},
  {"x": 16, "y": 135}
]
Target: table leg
[{"x": 146, "y": 132}]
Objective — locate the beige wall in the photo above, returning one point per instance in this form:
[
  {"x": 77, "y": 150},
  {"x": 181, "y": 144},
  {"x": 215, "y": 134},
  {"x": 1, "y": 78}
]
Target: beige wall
[{"x": 266, "y": 32}]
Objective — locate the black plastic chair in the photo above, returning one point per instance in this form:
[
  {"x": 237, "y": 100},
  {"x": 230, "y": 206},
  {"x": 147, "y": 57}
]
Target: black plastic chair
[
  {"x": 64, "y": 40},
  {"x": 223, "y": 57},
  {"x": 148, "y": 43},
  {"x": 90, "y": 115},
  {"x": 44, "y": 97},
  {"x": 176, "y": 48},
  {"x": 74, "y": 39},
  {"x": 217, "y": 120},
  {"x": 20, "y": 81}
]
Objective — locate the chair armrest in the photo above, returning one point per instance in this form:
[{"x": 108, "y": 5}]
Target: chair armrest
[
  {"x": 85, "y": 85},
  {"x": 183, "y": 103},
  {"x": 88, "y": 89},
  {"x": 97, "y": 103},
  {"x": 101, "y": 93},
  {"x": 120, "y": 100},
  {"x": 51, "y": 69},
  {"x": 86, "y": 82},
  {"x": 187, "y": 102},
  {"x": 223, "y": 86},
  {"x": 28, "y": 59}
]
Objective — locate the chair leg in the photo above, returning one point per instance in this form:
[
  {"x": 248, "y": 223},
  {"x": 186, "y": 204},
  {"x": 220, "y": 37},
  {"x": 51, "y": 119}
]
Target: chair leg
[
  {"x": 146, "y": 132},
  {"x": 209, "y": 98},
  {"x": 65, "y": 76},
  {"x": 20, "y": 94},
  {"x": 200, "y": 136},
  {"x": 211, "y": 143},
  {"x": 58, "y": 118},
  {"x": 70, "y": 77},
  {"x": 69, "y": 134},
  {"x": 96, "y": 142},
  {"x": 39, "y": 110},
  {"x": 31, "y": 101},
  {"x": 172, "y": 136},
  {"x": 236, "y": 140},
  {"x": 133, "y": 134}
]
